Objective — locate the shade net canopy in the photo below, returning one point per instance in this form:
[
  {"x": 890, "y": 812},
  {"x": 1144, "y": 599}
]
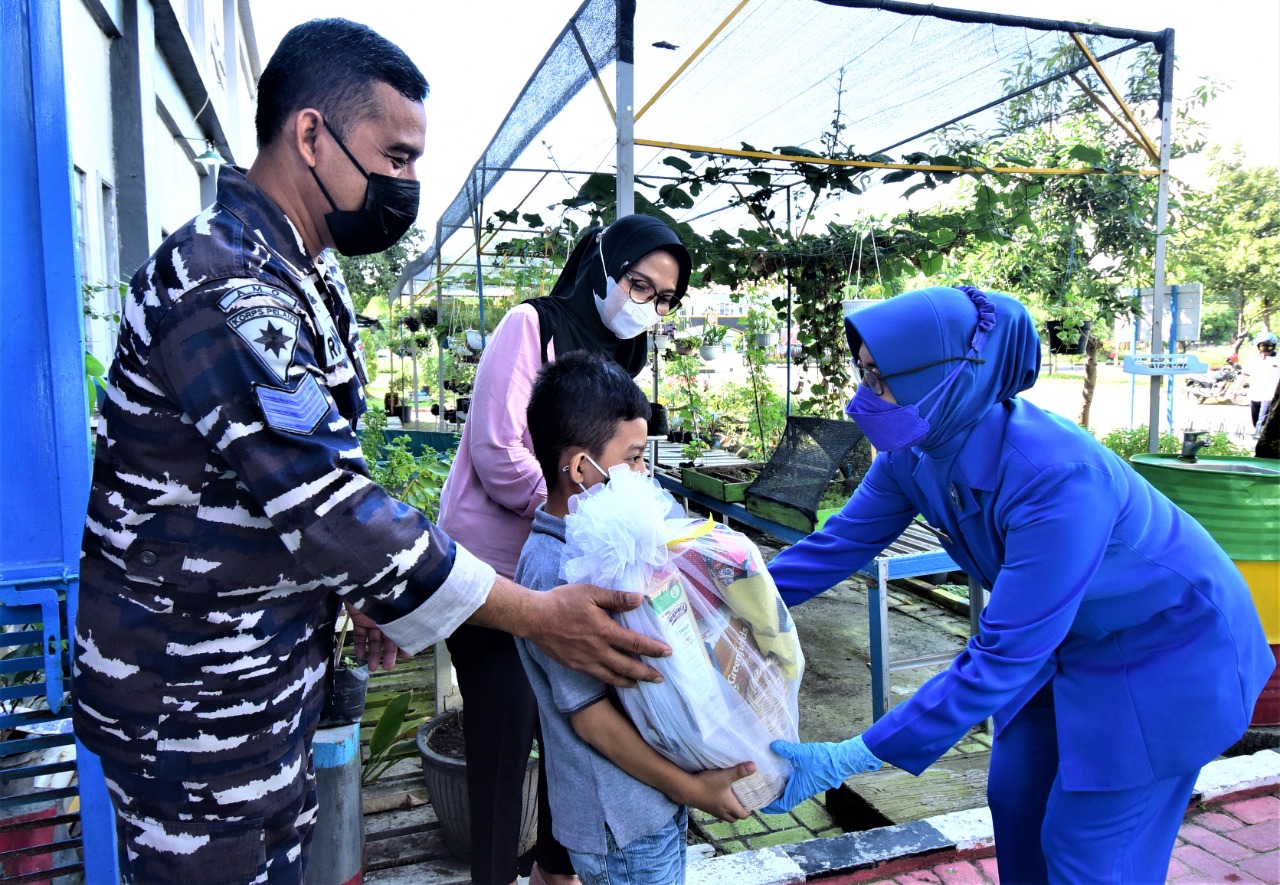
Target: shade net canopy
[
  {"x": 771, "y": 76},
  {"x": 813, "y": 454}
]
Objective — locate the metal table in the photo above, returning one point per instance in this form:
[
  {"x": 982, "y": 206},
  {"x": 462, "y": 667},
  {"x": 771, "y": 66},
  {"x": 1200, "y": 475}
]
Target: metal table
[{"x": 916, "y": 552}]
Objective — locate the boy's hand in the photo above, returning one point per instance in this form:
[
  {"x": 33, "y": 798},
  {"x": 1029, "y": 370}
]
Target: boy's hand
[
  {"x": 712, "y": 791},
  {"x": 571, "y": 624}
]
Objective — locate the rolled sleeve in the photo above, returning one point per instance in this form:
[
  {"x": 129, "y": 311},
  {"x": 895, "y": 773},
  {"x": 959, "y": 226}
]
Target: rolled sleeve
[{"x": 463, "y": 591}]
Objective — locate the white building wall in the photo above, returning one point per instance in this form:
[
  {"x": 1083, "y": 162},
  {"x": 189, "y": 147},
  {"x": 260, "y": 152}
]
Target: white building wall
[
  {"x": 218, "y": 36},
  {"x": 88, "y": 80}
]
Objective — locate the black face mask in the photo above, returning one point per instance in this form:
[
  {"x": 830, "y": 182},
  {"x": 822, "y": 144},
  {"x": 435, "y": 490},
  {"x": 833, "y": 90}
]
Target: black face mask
[{"x": 390, "y": 208}]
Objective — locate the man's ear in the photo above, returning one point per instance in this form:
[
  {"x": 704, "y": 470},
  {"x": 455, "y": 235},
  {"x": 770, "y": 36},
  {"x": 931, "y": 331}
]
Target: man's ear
[{"x": 307, "y": 124}]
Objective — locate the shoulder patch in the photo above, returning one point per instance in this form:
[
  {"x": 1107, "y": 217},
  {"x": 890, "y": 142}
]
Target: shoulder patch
[
  {"x": 256, "y": 291},
  {"x": 271, "y": 333},
  {"x": 294, "y": 411}
]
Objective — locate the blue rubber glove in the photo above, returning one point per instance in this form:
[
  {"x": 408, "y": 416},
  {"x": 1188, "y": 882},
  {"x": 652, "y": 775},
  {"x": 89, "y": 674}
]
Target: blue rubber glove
[{"x": 818, "y": 767}]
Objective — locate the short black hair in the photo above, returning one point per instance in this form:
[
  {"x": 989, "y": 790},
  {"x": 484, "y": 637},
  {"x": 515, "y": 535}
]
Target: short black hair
[
  {"x": 579, "y": 400},
  {"x": 331, "y": 64}
]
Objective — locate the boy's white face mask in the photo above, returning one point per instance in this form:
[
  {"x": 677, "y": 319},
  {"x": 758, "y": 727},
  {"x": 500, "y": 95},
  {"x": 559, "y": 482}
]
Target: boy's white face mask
[{"x": 620, "y": 315}]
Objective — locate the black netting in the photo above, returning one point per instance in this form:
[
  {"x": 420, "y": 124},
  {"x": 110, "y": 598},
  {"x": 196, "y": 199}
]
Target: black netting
[
  {"x": 899, "y": 73},
  {"x": 813, "y": 453}
]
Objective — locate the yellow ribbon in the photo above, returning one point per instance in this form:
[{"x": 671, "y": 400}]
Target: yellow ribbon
[{"x": 697, "y": 531}]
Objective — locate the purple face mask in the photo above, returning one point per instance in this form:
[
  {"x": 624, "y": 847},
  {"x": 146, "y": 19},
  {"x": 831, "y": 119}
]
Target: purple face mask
[{"x": 890, "y": 427}]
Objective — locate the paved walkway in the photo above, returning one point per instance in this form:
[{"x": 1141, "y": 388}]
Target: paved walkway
[{"x": 1231, "y": 834}]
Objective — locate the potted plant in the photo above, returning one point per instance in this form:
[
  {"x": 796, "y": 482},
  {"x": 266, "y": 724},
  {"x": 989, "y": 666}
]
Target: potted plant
[
  {"x": 1069, "y": 323},
  {"x": 762, "y": 323},
  {"x": 686, "y": 345},
  {"x": 854, "y": 296},
  {"x": 348, "y": 684},
  {"x": 442, "y": 748},
  {"x": 712, "y": 341},
  {"x": 394, "y": 400}
]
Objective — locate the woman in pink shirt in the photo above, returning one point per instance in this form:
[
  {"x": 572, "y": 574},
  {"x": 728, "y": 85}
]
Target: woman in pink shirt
[{"x": 614, "y": 287}]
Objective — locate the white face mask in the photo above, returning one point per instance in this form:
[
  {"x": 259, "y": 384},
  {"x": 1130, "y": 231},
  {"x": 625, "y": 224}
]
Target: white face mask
[{"x": 620, "y": 315}]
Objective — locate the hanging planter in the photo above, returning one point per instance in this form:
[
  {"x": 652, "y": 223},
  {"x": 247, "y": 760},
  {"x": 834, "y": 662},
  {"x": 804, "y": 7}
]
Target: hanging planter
[
  {"x": 1058, "y": 345},
  {"x": 442, "y": 748},
  {"x": 710, "y": 351},
  {"x": 767, "y": 339},
  {"x": 475, "y": 341}
]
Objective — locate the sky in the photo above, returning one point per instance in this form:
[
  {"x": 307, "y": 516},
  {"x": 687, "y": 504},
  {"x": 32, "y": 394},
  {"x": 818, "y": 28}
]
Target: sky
[{"x": 478, "y": 55}]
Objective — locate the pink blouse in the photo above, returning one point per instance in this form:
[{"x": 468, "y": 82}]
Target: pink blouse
[{"x": 495, "y": 483}]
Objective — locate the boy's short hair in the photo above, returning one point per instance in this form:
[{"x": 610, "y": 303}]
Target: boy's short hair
[{"x": 578, "y": 400}]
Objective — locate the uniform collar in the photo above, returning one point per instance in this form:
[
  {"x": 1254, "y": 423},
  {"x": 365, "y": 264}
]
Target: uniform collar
[{"x": 259, "y": 213}]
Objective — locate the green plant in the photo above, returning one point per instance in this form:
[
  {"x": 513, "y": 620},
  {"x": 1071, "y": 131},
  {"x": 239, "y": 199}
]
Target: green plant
[
  {"x": 392, "y": 739},
  {"x": 1126, "y": 443},
  {"x": 685, "y": 371},
  {"x": 416, "y": 480},
  {"x": 713, "y": 334}
]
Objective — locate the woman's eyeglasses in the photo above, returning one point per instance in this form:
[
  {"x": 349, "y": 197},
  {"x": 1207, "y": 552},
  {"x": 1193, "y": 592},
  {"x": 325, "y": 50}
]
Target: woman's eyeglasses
[
  {"x": 874, "y": 380},
  {"x": 642, "y": 292}
]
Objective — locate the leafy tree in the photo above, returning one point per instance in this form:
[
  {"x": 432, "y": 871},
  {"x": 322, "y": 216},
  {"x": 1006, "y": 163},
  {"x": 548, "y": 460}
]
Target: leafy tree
[
  {"x": 369, "y": 275},
  {"x": 1084, "y": 241},
  {"x": 1230, "y": 241}
]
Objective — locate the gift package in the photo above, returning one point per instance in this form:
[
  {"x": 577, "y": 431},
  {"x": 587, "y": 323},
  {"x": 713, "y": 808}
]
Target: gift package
[{"x": 731, "y": 684}]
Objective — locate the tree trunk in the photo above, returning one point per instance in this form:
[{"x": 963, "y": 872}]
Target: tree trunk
[{"x": 1090, "y": 378}]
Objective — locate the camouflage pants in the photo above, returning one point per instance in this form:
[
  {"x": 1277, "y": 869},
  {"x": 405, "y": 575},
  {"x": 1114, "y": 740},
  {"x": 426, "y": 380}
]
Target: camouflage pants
[{"x": 247, "y": 825}]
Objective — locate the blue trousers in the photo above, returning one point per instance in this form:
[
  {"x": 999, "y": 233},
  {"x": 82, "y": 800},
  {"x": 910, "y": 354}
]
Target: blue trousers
[
  {"x": 1044, "y": 833},
  {"x": 217, "y": 825}
]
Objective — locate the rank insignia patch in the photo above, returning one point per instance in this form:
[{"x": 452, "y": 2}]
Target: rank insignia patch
[
  {"x": 272, "y": 333},
  {"x": 294, "y": 411}
]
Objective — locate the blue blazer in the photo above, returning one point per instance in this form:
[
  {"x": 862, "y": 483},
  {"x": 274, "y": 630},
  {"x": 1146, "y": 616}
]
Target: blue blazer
[{"x": 1099, "y": 584}]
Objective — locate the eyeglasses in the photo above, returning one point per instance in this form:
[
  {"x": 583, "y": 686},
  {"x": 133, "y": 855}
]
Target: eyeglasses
[
  {"x": 642, "y": 292},
  {"x": 873, "y": 379}
]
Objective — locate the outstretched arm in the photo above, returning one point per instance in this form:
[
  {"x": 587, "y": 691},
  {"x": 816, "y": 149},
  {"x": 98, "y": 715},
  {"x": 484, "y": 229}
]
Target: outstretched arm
[{"x": 616, "y": 738}]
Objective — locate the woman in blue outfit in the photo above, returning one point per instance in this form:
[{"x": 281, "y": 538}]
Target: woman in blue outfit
[{"x": 1120, "y": 650}]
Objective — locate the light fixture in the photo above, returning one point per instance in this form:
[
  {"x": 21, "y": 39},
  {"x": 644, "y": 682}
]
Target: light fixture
[{"x": 210, "y": 159}]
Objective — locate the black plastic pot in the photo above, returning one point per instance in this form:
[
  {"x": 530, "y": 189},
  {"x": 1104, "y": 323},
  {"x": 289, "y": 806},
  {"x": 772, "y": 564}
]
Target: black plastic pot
[
  {"x": 1058, "y": 346},
  {"x": 344, "y": 704}
]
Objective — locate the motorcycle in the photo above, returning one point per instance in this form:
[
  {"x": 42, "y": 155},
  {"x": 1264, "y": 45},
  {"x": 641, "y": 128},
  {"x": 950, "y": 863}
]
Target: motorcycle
[{"x": 1224, "y": 384}]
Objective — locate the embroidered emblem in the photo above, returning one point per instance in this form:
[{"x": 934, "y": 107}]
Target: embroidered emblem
[
  {"x": 272, "y": 333},
  {"x": 235, "y": 296},
  {"x": 294, "y": 411}
]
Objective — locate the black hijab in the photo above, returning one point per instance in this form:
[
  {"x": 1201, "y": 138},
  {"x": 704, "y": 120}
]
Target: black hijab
[{"x": 568, "y": 314}]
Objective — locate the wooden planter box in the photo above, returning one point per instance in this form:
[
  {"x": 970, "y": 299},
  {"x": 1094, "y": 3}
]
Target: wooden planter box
[
  {"x": 784, "y": 514},
  {"x": 728, "y": 484}
]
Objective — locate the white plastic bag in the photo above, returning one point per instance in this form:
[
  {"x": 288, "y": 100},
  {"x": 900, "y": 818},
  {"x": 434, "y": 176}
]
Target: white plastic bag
[{"x": 732, "y": 682}]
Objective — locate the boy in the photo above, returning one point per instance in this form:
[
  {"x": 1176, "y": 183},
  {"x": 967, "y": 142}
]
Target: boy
[{"x": 619, "y": 806}]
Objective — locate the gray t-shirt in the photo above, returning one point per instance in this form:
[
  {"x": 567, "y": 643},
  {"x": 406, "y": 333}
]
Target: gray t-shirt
[{"x": 588, "y": 792}]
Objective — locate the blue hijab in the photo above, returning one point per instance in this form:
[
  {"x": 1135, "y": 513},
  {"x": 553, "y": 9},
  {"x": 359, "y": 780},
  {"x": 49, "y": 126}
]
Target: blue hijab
[{"x": 939, "y": 323}]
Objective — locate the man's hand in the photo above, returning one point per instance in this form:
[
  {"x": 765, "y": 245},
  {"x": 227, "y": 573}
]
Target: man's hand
[
  {"x": 370, "y": 643},
  {"x": 571, "y": 624}
]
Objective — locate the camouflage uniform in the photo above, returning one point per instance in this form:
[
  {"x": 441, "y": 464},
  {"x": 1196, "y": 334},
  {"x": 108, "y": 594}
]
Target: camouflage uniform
[{"x": 231, "y": 509}]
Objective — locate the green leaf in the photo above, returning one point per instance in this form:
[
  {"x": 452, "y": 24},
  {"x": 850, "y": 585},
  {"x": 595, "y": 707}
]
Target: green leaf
[
  {"x": 389, "y": 725},
  {"x": 1086, "y": 154},
  {"x": 759, "y": 179},
  {"x": 930, "y": 263},
  {"x": 677, "y": 163},
  {"x": 942, "y": 237},
  {"x": 673, "y": 196}
]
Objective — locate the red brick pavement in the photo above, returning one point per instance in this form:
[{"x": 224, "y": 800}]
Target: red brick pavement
[{"x": 1235, "y": 840}]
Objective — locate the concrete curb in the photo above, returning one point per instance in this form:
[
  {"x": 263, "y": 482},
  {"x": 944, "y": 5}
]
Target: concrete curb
[{"x": 958, "y": 831}]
